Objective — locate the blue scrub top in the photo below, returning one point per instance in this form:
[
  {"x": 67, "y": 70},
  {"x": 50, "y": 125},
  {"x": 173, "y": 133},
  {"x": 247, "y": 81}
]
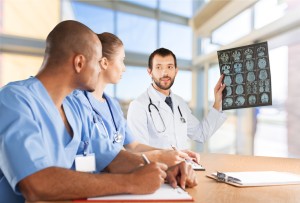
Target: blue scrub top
[
  {"x": 102, "y": 113},
  {"x": 33, "y": 136}
]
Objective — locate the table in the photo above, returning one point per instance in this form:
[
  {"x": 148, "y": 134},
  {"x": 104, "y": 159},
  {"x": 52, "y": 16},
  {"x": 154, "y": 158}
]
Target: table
[{"x": 210, "y": 191}]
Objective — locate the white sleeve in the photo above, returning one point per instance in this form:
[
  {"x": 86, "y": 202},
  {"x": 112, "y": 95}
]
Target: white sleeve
[
  {"x": 200, "y": 131},
  {"x": 137, "y": 122}
]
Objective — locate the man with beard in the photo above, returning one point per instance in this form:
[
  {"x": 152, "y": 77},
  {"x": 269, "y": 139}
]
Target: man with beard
[{"x": 161, "y": 118}]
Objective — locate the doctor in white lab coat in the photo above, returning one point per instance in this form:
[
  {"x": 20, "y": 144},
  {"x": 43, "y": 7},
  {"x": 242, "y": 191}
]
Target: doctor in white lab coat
[{"x": 161, "y": 125}]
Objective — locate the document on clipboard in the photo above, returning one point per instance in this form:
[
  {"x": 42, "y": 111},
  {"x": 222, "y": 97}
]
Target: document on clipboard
[
  {"x": 256, "y": 178},
  {"x": 164, "y": 193}
]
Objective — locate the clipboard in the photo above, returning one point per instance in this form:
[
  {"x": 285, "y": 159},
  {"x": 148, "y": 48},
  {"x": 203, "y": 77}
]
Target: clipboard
[
  {"x": 165, "y": 194},
  {"x": 256, "y": 178}
]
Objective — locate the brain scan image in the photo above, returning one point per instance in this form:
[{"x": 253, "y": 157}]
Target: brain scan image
[
  {"x": 227, "y": 80},
  {"x": 250, "y": 65},
  {"x": 226, "y": 69},
  {"x": 263, "y": 74},
  {"x": 262, "y": 63},
  {"x": 236, "y": 55},
  {"x": 252, "y": 100},
  {"x": 237, "y": 67},
  {"x": 261, "y": 51},
  {"x": 228, "y": 102},
  {"x": 224, "y": 57},
  {"x": 250, "y": 76},
  {"x": 240, "y": 100},
  {"x": 228, "y": 91},
  {"x": 248, "y": 53},
  {"x": 264, "y": 98},
  {"x": 239, "y": 79},
  {"x": 239, "y": 89}
]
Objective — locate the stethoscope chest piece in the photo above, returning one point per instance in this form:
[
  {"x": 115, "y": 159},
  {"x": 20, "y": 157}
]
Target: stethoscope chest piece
[
  {"x": 182, "y": 120},
  {"x": 118, "y": 137}
]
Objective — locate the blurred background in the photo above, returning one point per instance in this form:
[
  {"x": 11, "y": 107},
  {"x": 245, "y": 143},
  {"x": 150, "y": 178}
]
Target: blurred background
[{"x": 194, "y": 30}]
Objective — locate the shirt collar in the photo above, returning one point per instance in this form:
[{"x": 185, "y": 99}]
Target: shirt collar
[{"x": 161, "y": 95}]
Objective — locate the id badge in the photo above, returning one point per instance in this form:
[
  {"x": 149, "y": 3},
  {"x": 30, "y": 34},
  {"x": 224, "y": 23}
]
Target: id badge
[{"x": 85, "y": 163}]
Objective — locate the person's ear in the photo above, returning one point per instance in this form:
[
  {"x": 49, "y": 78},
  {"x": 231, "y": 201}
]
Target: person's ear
[
  {"x": 176, "y": 70},
  {"x": 79, "y": 63},
  {"x": 149, "y": 70},
  {"x": 104, "y": 63}
]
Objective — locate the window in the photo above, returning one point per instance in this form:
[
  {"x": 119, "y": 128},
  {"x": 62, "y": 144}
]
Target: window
[
  {"x": 179, "y": 7},
  {"x": 147, "y": 3},
  {"x": 177, "y": 38},
  {"x": 137, "y": 33},
  {"x": 134, "y": 82},
  {"x": 265, "y": 16},
  {"x": 205, "y": 46},
  {"x": 183, "y": 85},
  {"x": 97, "y": 18},
  {"x": 233, "y": 29}
]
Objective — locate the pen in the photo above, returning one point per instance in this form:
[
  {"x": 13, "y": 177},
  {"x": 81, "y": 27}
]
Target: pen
[
  {"x": 146, "y": 160},
  {"x": 187, "y": 160}
]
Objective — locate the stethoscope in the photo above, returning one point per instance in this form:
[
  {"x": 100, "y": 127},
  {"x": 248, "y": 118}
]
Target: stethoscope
[
  {"x": 118, "y": 137},
  {"x": 162, "y": 121}
]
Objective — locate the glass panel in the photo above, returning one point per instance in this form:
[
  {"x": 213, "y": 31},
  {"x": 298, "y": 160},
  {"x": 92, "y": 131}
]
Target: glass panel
[
  {"x": 177, "y": 38},
  {"x": 233, "y": 29},
  {"x": 147, "y": 3},
  {"x": 205, "y": 46},
  {"x": 134, "y": 82},
  {"x": 97, "y": 18},
  {"x": 183, "y": 85},
  {"x": 271, "y": 133},
  {"x": 180, "y": 7},
  {"x": 263, "y": 16},
  {"x": 137, "y": 33}
]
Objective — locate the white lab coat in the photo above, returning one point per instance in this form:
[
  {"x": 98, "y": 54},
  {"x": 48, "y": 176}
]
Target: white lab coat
[{"x": 176, "y": 132}]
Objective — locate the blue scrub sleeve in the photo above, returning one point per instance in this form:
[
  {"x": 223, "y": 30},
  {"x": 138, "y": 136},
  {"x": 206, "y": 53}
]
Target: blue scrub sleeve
[
  {"x": 22, "y": 150},
  {"x": 129, "y": 138}
]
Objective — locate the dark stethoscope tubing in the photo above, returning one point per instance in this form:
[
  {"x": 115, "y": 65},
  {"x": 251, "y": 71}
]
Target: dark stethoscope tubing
[
  {"x": 149, "y": 109},
  {"x": 117, "y": 135}
]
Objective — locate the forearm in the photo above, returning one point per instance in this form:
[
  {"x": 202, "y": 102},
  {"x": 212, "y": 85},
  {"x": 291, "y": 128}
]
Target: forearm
[
  {"x": 63, "y": 184},
  {"x": 124, "y": 162}
]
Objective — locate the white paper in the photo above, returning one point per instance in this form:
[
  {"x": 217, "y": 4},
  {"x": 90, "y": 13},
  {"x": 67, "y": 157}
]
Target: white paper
[
  {"x": 165, "y": 192},
  {"x": 264, "y": 178}
]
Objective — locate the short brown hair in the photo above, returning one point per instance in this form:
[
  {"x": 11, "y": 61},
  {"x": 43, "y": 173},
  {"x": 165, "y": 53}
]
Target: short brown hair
[{"x": 161, "y": 52}]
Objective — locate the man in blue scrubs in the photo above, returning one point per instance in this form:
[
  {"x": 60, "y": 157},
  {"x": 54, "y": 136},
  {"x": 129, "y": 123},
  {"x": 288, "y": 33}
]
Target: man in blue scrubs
[{"x": 43, "y": 132}]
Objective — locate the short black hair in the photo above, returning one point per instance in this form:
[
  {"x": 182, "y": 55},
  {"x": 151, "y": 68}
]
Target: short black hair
[{"x": 161, "y": 52}]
